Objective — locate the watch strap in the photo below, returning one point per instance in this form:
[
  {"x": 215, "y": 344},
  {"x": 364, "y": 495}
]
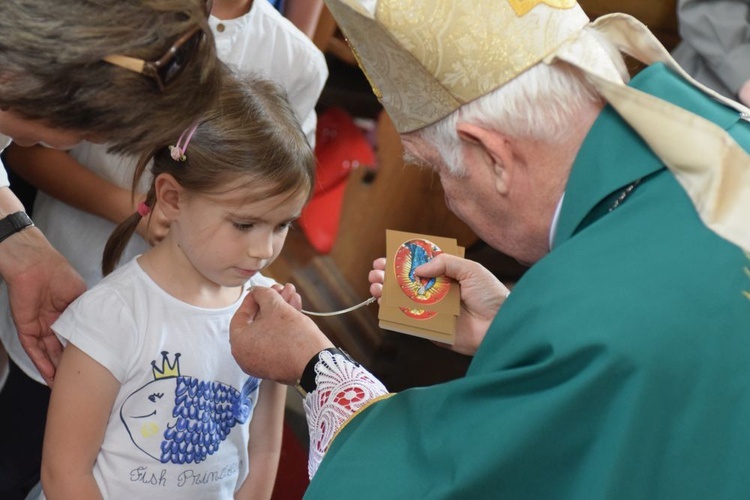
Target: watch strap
[{"x": 14, "y": 223}]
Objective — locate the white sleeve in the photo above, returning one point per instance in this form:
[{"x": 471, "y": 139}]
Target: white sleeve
[
  {"x": 4, "y": 141},
  {"x": 304, "y": 89},
  {"x": 101, "y": 324}
]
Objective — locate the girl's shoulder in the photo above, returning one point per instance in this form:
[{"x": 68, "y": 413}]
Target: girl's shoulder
[
  {"x": 125, "y": 274},
  {"x": 106, "y": 322},
  {"x": 114, "y": 290}
]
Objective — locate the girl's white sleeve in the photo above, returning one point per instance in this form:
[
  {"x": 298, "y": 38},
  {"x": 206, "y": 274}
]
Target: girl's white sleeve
[{"x": 101, "y": 324}]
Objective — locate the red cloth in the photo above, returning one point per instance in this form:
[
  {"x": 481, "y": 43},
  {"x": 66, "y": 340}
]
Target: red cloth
[{"x": 341, "y": 146}]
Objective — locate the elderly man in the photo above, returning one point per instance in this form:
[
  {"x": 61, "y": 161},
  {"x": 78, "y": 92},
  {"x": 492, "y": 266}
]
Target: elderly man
[{"x": 619, "y": 365}]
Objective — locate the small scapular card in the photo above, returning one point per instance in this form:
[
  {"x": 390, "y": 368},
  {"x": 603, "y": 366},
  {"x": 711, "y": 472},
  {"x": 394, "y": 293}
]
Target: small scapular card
[{"x": 423, "y": 307}]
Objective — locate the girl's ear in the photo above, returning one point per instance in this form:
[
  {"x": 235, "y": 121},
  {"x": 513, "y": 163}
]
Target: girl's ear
[{"x": 168, "y": 195}]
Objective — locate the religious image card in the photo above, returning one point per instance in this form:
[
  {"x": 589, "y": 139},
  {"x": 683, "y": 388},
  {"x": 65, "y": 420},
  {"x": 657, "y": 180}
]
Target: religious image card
[
  {"x": 424, "y": 307},
  {"x": 402, "y": 288},
  {"x": 418, "y": 322}
]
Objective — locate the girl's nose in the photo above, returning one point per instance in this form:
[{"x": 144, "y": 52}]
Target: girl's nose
[{"x": 261, "y": 247}]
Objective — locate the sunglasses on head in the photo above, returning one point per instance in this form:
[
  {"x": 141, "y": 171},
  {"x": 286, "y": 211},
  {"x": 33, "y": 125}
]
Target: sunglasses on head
[{"x": 169, "y": 66}]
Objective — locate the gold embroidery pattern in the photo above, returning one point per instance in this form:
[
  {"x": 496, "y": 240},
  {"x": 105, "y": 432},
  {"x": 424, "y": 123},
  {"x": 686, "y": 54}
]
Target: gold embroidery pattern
[
  {"x": 425, "y": 59},
  {"x": 524, "y": 6}
]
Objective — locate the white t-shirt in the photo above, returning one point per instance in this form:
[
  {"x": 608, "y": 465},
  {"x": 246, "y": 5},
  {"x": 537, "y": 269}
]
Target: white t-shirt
[
  {"x": 4, "y": 369},
  {"x": 4, "y": 141},
  {"x": 265, "y": 42},
  {"x": 179, "y": 425},
  {"x": 262, "y": 41}
]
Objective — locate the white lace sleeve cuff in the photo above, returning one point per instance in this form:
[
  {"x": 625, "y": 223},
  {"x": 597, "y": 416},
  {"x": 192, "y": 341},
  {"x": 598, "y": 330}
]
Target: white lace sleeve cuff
[{"x": 342, "y": 389}]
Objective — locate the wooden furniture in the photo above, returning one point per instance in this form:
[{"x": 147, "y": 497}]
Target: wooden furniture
[
  {"x": 391, "y": 195},
  {"x": 659, "y": 15}
]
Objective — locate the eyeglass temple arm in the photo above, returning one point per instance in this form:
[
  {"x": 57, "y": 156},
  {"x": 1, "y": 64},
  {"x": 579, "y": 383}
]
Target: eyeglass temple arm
[{"x": 126, "y": 62}]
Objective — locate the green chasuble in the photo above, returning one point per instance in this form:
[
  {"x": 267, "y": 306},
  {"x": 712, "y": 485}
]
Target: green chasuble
[{"x": 619, "y": 367}]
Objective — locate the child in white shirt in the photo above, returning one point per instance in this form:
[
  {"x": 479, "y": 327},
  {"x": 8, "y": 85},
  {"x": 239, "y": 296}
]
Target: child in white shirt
[{"x": 148, "y": 401}]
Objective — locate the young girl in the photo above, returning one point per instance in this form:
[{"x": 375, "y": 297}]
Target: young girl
[
  {"x": 83, "y": 193},
  {"x": 148, "y": 401}
]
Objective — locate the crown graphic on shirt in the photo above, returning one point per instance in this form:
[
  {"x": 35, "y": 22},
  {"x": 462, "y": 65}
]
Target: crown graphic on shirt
[{"x": 167, "y": 369}]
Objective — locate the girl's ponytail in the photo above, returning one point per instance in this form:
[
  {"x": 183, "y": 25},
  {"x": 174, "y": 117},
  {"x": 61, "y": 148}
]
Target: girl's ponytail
[{"x": 121, "y": 235}]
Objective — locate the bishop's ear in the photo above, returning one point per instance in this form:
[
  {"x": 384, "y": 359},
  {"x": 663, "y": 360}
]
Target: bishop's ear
[
  {"x": 168, "y": 193},
  {"x": 492, "y": 149}
]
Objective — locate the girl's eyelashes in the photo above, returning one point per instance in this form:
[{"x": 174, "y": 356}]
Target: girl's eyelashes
[
  {"x": 247, "y": 226},
  {"x": 243, "y": 226},
  {"x": 285, "y": 225}
]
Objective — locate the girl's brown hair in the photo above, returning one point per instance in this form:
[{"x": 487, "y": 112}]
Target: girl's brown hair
[
  {"x": 52, "y": 67},
  {"x": 252, "y": 133}
]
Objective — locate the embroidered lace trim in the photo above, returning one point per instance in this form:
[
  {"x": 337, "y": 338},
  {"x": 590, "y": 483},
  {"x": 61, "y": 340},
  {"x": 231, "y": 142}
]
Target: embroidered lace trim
[{"x": 342, "y": 389}]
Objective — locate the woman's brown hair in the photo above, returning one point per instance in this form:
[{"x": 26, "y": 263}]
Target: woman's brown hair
[{"x": 52, "y": 67}]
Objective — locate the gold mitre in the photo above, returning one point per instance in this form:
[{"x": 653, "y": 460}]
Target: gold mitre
[{"x": 425, "y": 59}]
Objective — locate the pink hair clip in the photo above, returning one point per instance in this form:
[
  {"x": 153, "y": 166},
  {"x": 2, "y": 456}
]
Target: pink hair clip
[
  {"x": 178, "y": 151},
  {"x": 143, "y": 209}
]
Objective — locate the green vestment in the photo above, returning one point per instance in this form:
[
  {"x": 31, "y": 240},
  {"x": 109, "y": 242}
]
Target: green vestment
[{"x": 619, "y": 367}]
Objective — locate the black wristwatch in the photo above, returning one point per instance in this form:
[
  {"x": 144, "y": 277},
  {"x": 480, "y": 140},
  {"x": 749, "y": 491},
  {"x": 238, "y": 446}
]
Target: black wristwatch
[
  {"x": 13, "y": 223},
  {"x": 306, "y": 384}
]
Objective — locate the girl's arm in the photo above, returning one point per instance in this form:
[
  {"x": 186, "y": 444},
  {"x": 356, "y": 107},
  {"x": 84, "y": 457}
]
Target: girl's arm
[
  {"x": 80, "y": 405},
  {"x": 304, "y": 14},
  {"x": 264, "y": 447},
  {"x": 61, "y": 176}
]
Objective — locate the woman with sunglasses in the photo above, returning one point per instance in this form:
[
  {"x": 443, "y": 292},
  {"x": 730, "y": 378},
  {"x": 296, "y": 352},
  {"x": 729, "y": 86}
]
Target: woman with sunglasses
[{"x": 128, "y": 73}]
